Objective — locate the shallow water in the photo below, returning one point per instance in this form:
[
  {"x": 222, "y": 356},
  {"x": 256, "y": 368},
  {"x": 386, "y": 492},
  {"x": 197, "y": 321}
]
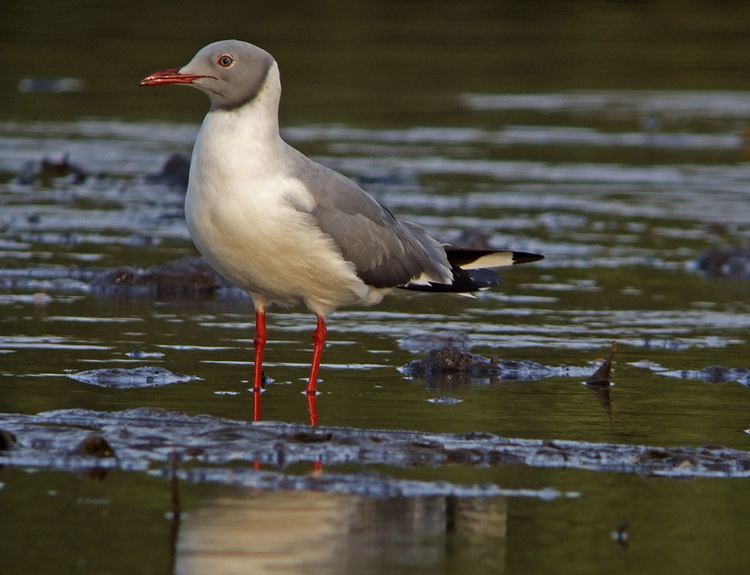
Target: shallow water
[{"x": 622, "y": 169}]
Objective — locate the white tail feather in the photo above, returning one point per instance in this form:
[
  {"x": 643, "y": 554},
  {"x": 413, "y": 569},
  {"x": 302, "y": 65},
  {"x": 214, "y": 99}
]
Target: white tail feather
[{"x": 493, "y": 260}]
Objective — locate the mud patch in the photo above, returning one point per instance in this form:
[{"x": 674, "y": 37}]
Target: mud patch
[
  {"x": 453, "y": 363},
  {"x": 445, "y": 400},
  {"x": 184, "y": 278},
  {"x": 174, "y": 173},
  {"x": 144, "y": 438},
  {"x": 95, "y": 446},
  {"x": 711, "y": 374},
  {"x": 731, "y": 263},
  {"x": 47, "y": 170},
  {"x": 120, "y": 378},
  {"x": 187, "y": 277},
  {"x": 7, "y": 440}
]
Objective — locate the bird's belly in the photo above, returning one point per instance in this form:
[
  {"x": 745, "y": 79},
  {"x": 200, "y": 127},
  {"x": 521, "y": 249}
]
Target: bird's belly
[{"x": 270, "y": 249}]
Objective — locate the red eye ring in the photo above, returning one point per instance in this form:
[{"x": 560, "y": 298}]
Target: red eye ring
[{"x": 225, "y": 60}]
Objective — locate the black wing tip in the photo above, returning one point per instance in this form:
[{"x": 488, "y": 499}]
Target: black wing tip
[
  {"x": 464, "y": 282},
  {"x": 526, "y": 257}
]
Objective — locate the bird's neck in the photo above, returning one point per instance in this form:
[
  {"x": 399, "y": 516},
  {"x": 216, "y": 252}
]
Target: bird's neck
[{"x": 252, "y": 125}]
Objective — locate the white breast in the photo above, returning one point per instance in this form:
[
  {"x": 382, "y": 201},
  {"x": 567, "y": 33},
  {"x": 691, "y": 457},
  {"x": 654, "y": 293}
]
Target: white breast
[{"x": 250, "y": 219}]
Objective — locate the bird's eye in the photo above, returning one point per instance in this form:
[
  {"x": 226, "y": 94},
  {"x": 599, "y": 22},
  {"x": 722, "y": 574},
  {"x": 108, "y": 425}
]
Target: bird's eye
[{"x": 225, "y": 60}]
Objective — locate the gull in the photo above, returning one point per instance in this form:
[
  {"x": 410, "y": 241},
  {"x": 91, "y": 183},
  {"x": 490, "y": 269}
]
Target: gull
[{"x": 289, "y": 230}]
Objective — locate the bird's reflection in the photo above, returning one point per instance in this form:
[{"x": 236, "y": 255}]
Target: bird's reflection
[
  {"x": 306, "y": 532},
  {"x": 257, "y": 403},
  {"x": 176, "y": 513},
  {"x": 312, "y": 408}
]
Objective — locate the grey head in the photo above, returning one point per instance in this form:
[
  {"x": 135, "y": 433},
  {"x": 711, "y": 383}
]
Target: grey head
[{"x": 231, "y": 72}]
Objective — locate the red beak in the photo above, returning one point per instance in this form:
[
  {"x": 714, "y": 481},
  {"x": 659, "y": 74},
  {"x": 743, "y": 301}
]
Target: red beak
[{"x": 171, "y": 76}]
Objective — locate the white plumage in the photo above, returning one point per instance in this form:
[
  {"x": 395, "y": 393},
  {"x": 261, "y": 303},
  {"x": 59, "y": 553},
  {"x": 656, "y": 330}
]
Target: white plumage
[{"x": 286, "y": 229}]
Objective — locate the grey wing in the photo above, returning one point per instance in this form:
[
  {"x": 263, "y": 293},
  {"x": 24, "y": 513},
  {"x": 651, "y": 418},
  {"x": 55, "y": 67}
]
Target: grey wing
[{"x": 384, "y": 251}]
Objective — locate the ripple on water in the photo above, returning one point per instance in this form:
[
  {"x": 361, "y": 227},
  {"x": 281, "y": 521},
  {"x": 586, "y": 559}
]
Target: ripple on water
[
  {"x": 613, "y": 103},
  {"x": 47, "y": 342}
]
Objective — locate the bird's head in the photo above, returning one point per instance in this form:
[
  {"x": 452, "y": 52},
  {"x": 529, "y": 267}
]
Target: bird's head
[{"x": 232, "y": 73}]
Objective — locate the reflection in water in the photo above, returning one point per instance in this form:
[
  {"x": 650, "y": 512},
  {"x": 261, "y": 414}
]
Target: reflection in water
[
  {"x": 312, "y": 406},
  {"x": 176, "y": 517},
  {"x": 257, "y": 401},
  {"x": 310, "y": 532},
  {"x": 601, "y": 383},
  {"x": 621, "y": 535},
  {"x": 604, "y": 395}
]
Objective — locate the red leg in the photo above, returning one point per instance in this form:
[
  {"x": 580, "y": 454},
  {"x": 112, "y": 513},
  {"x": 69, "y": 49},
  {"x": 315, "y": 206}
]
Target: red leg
[
  {"x": 260, "y": 344},
  {"x": 312, "y": 405},
  {"x": 319, "y": 340},
  {"x": 257, "y": 398}
]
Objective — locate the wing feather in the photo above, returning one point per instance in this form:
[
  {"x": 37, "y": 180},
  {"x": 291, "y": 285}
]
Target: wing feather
[{"x": 384, "y": 251}]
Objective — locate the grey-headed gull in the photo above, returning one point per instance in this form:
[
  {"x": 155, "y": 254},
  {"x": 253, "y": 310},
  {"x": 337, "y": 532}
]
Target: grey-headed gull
[{"x": 288, "y": 230}]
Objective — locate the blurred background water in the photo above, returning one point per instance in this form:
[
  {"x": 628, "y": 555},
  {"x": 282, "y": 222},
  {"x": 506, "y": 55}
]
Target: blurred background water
[{"x": 610, "y": 136}]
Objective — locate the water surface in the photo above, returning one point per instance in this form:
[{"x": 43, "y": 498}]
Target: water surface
[{"x": 613, "y": 139}]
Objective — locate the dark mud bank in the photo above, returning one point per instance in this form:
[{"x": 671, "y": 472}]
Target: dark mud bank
[{"x": 213, "y": 449}]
